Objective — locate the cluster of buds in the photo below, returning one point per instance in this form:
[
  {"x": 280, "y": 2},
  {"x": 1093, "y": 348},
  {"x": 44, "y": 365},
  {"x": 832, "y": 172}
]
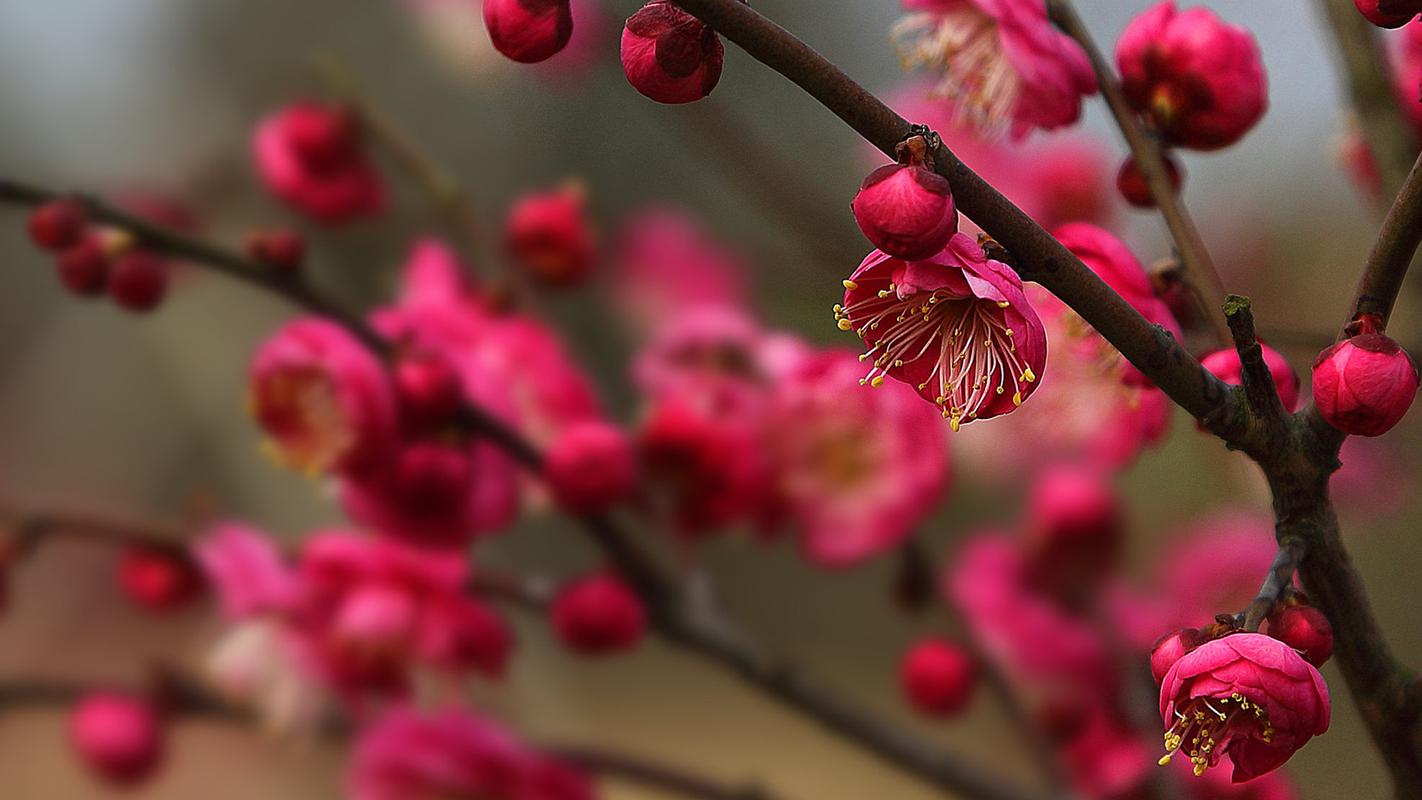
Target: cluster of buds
[{"x": 91, "y": 260}]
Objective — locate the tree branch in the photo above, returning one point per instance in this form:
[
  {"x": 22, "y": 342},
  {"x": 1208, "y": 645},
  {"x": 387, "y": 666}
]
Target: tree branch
[
  {"x": 1390, "y": 140},
  {"x": 1146, "y": 153},
  {"x": 1042, "y": 258},
  {"x": 1279, "y": 580},
  {"x": 1259, "y": 389},
  {"x": 1393, "y": 251}
]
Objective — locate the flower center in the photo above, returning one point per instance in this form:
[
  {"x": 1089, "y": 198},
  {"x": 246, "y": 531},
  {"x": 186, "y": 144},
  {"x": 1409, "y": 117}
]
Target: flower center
[
  {"x": 970, "y": 348},
  {"x": 1205, "y": 726},
  {"x": 300, "y": 410},
  {"x": 962, "y": 44}
]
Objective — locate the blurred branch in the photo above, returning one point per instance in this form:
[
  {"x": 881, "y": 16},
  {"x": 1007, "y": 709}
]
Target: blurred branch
[
  {"x": 1393, "y": 251},
  {"x": 1390, "y": 140},
  {"x": 672, "y": 781},
  {"x": 1146, "y": 152}
]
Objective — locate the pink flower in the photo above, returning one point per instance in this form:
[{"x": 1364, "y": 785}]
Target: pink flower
[
  {"x": 598, "y": 614},
  {"x": 1364, "y": 384},
  {"x": 454, "y": 754},
  {"x": 1199, "y": 81},
  {"x": 1224, "y": 364},
  {"x": 528, "y": 31},
  {"x": 667, "y": 265},
  {"x": 246, "y": 570},
  {"x": 906, "y": 209},
  {"x": 310, "y": 156},
  {"x": 1115, "y": 264},
  {"x": 956, "y": 327},
  {"x": 938, "y": 677},
  {"x": 1001, "y": 60},
  {"x": 713, "y": 349},
  {"x": 1106, "y": 758},
  {"x": 591, "y": 467},
  {"x": 323, "y": 399},
  {"x": 120, "y": 738},
  {"x": 670, "y": 56},
  {"x": 856, "y": 470},
  {"x": 1246, "y": 696},
  {"x": 550, "y": 236}
]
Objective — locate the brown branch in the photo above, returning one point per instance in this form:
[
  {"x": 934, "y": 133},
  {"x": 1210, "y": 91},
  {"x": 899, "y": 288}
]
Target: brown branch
[
  {"x": 1393, "y": 251},
  {"x": 674, "y": 781},
  {"x": 1042, "y": 258},
  {"x": 1369, "y": 79},
  {"x": 1146, "y": 152}
]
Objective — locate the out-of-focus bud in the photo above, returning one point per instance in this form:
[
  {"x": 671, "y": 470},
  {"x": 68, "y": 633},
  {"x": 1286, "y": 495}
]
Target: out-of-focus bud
[
  {"x": 1075, "y": 527},
  {"x": 159, "y": 578},
  {"x": 57, "y": 225},
  {"x": 906, "y": 209},
  {"x": 138, "y": 281},
  {"x": 283, "y": 249},
  {"x": 429, "y": 388},
  {"x": 669, "y": 55},
  {"x": 1131, "y": 182},
  {"x": 591, "y": 467},
  {"x": 120, "y": 738},
  {"x": 1224, "y": 364},
  {"x": 598, "y": 615},
  {"x": 938, "y": 677},
  {"x": 528, "y": 31},
  {"x": 83, "y": 268},
  {"x": 548, "y": 234}
]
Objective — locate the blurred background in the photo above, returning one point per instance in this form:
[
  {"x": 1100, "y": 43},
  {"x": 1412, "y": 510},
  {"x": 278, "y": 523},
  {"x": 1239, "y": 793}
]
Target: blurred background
[{"x": 142, "y": 419}]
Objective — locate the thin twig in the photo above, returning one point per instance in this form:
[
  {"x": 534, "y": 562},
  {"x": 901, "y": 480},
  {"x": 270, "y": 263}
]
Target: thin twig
[
  {"x": 1393, "y": 251},
  {"x": 1259, "y": 388},
  {"x": 674, "y": 781},
  {"x": 1276, "y": 583},
  {"x": 1145, "y": 151}
]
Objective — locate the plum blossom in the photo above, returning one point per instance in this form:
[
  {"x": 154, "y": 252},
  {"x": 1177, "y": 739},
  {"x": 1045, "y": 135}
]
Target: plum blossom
[
  {"x": 666, "y": 264},
  {"x": 310, "y": 156}
]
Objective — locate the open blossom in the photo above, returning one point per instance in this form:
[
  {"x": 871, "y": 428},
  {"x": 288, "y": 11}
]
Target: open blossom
[
  {"x": 855, "y": 471},
  {"x": 458, "y": 755},
  {"x": 1245, "y": 696},
  {"x": 1001, "y": 60},
  {"x": 1199, "y": 81},
  {"x": 323, "y": 399},
  {"x": 528, "y": 31},
  {"x": 957, "y": 327},
  {"x": 310, "y": 156},
  {"x": 1364, "y": 384},
  {"x": 669, "y": 55}
]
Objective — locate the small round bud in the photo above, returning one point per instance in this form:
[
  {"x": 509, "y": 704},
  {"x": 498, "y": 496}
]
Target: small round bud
[
  {"x": 591, "y": 467},
  {"x": 669, "y": 55},
  {"x": 57, "y": 224},
  {"x": 598, "y": 614},
  {"x": 138, "y": 281},
  {"x": 938, "y": 677},
  {"x": 547, "y": 233},
  {"x": 430, "y": 390},
  {"x": 120, "y": 738},
  {"x": 528, "y": 31},
  {"x": 1305, "y": 629},
  {"x": 1132, "y": 184},
  {"x": 1169, "y": 648},
  {"x": 1364, "y": 385},
  {"x": 158, "y": 578},
  {"x": 906, "y": 209},
  {"x": 283, "y": 249},
  {"x": 83, "y": 268}
]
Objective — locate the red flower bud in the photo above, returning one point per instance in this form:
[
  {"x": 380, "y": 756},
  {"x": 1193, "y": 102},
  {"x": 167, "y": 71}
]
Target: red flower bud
[
  {"x": 158, "y": 578},
  {"x": 57, "y": 225},
  {"x": 548, "y": 234},
  {"x": 283, "y": 249},
  {"x": 430, "y": 390},
  {"x": 1389, "y": 13},
  {"x": 138, "y": 281},
  {"x": 1131, "y": 182},
  {"x": 938, "y": 677},
  {"x": 1169, "y": 648},
  {"x": 1224, "y": 364},
  {"x": 591, "y": 467},
  {"x": 1305, "y": 629},
  {"x": 119, "y": 737},
  {"x": 669, "y": 55},
  {"x": 906, "y": 209},
  {"x": 83, "y": 268},
  {"x": 1365, "y": 384},
  {"x": 599, "y": 614},
  {"x": 528, "y": 31}
]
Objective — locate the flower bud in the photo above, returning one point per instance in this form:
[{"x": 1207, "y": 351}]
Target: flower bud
[
  {"x": 1169, "y": 648},
  {"x": 1224, "y": 364},
  {"x": 906, "y": 209},
  {"x": 138, "y": 281},
  {"x": 83, "y": 268},
  {"x": 158, "y": 578},
  {"x": 1132, "y": 184},
  {"x": 119, "y": 737},
  {"x": 1389, "y": 13},
  {"x": 669, "y": 55},
  {"x": 57, "y": 225},
  {"x": 598, "y": 614},
  {"x": 430, "y": 390},
  {"x": 1305, "y": 629},
  {"x": 548, "y": 234},
  {"x": 283, "y": 249},
  {"x": 1365, "y": 384},
  {"x": 938, "y": 677},
  {"x": 1075, "y": 527},
  {"x": 591, "y": 467},
  {"x": 1199, "y": 81},
  {"x": 310, "y": 156},
  {"x": 528, "y": 31}
]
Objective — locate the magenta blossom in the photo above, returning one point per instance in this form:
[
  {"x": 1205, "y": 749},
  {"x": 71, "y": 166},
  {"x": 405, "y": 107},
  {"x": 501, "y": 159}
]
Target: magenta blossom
[
  {"x": 1001, "y": 60},
  {"x": 323, "y": 399},
  {"x": 1246, "y": 696},
  {"x": 957, "y": 327},
  {"x": 855, "y": 471},
  {"x": 310, "y": 156},
  {"x": 1199, "y": 81},
  {"x": 246, "y": 569}
]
